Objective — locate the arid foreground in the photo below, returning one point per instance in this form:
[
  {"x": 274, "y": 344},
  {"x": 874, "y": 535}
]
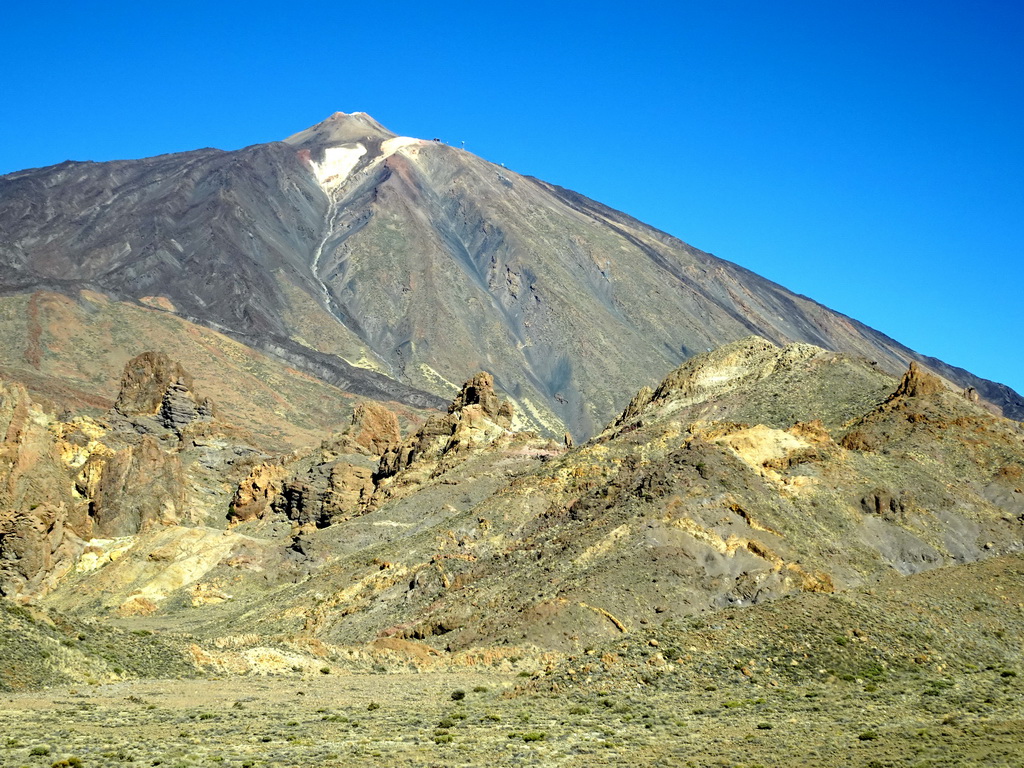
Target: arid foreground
[{"x": 872, "y": 677}]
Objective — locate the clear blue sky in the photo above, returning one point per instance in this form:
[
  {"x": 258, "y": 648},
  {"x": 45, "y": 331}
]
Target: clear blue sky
[{"x": 869, "y": 155}]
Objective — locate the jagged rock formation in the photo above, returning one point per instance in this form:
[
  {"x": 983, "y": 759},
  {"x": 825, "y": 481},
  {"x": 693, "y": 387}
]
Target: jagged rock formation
[
  {"x": 335, "y": 482},
  {"x": 137, "y": 487},
  {"x": 146, "y": 381},
  {"x": 917, "y": 383},
  {"x": 357, "y": 469},
  {"x": 154, "y": 386},
  {"x": 373, "y": 431},
  {"x": 254, "y": 495},
  {"x": 392, "y": 266},
  {"x": 42, "y": 524},
  {"x": 68, "y": 480},
  {"x": 476, "y": 417},
  {"x": 738, "y": 479},
  {"x": 326, "y": 493}
]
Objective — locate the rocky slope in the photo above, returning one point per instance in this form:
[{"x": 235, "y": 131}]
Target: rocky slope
[
  {"x": 750, "y": 473},
  {"x": 395, "y": 268}
]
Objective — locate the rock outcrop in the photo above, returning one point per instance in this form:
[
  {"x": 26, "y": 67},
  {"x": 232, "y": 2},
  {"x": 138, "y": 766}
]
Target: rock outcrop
[
  {"x": 917, "y": 382},
  {"x": 476, "y": 417},
  {"x": 255, "y": 494},
  {"x": 138, "y": 487},
  {"x": 335, "y": 482},
  {"x": 158, "y": 392},
  {"x": 373, "y": 431},
  {"x": 42, "y": 524},
  {"x": 326, "y": 494},
  {"x": 145, "y": 382}
]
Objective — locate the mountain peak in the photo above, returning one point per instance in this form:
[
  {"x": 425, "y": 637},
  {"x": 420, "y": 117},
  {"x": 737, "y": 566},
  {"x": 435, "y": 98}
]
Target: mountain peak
[{"x": 341, "y": 128}]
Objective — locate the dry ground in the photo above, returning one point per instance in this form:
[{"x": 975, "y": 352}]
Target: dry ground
[{"x": 416, "y": 720}]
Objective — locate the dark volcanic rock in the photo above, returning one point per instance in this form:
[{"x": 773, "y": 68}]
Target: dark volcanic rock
[{"x": 423, "y": 262}]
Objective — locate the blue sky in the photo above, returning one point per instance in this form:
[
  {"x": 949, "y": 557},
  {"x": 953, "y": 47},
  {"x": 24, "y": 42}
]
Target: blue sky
[{"x": 869, "y": 155}]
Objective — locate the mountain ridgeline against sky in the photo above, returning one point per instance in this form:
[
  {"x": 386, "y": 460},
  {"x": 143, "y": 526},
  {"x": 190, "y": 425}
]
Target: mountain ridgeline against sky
[{"x": 396, "y": 267}]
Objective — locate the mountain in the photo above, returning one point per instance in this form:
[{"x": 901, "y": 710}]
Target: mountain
[
  {"x": 750, "y": 473},
  {"x": 364, "y": 404},
  {"x": 392, "y": 268}
]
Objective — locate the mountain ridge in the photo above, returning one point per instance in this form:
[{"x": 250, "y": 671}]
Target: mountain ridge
[{"x": 398, "y": 269}]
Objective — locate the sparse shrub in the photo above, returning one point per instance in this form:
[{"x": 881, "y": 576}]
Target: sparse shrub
[
  {"x": 534, "y": 736},
  {"x": 443, "y": 738},
  {"x": 579, "y": 709},
  {"x": 372, "y": 706},
  {"x": 458, "y": 695},
  {"x": 480, "y": 689},
  {"x": 39, "y": 750},
  {"x": 873, "y": 672},
  {"x": 68, "y": 762},
  {"x": 868, "y": 736},
  {"x": 325, "y": 670},
  {"x": 764, "y": 726}
]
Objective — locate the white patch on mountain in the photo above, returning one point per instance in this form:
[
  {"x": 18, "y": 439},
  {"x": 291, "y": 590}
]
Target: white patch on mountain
[{"x": 337, "y": 164}]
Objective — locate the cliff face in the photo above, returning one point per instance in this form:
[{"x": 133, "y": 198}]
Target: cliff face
[
  {"x": 154, "y": 460},
  {"x": 395, "y": 268},
  {"x": 42, "y": 523}
]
